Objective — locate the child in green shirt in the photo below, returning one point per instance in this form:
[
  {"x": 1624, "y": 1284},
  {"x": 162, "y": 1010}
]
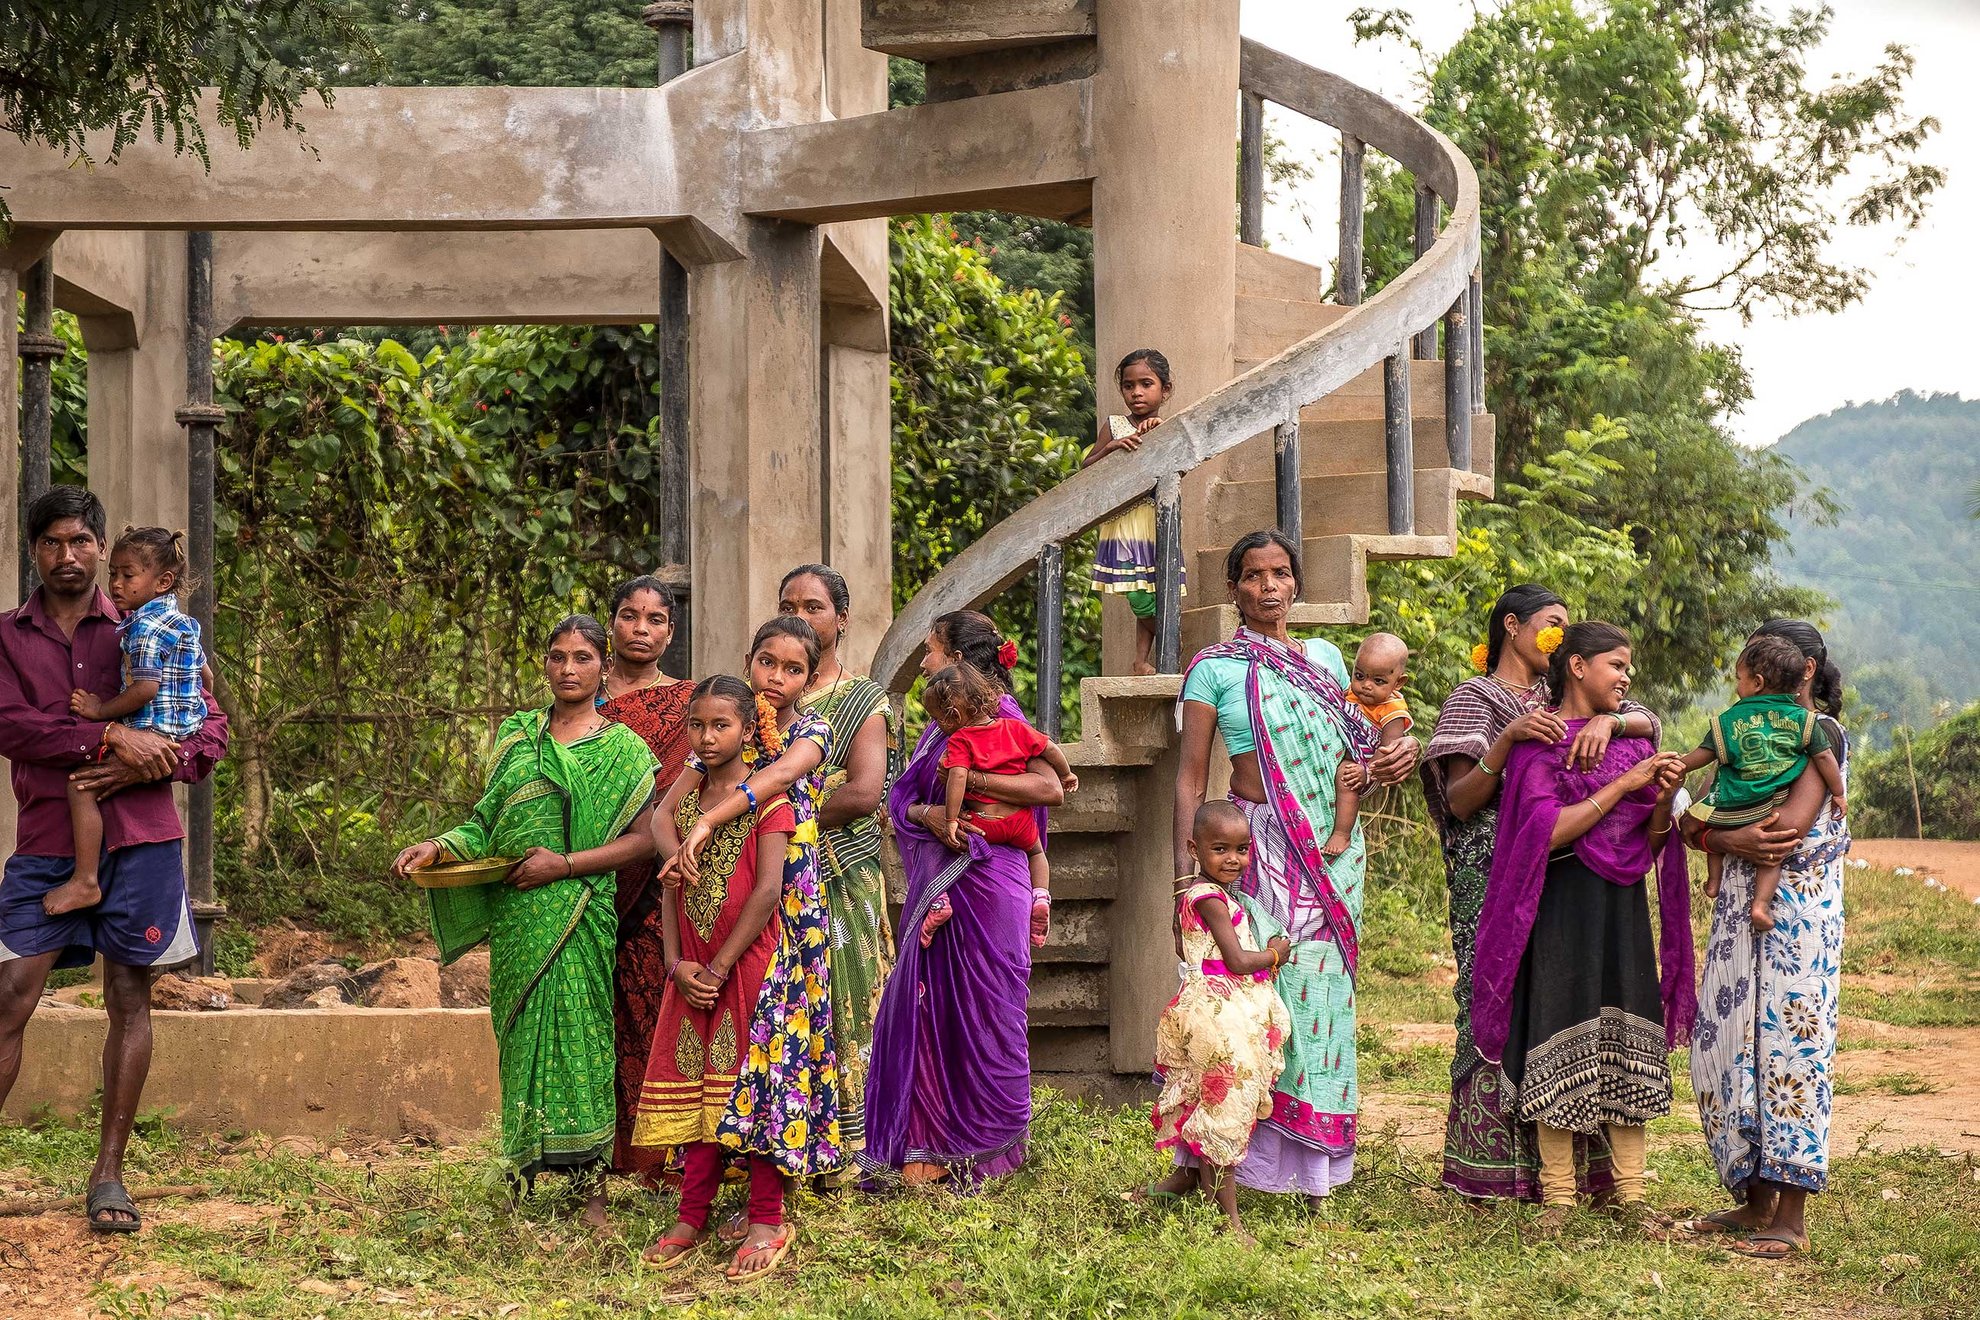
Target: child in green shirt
[{"x": 1762, "y": 743}]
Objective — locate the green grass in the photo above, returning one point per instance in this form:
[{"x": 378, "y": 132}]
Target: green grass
[
  {"x": 428, "y": 1231},
  {"x": 1897, "y": 925}
]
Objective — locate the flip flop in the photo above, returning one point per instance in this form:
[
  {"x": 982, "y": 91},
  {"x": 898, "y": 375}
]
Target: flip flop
[
  {"x": 107, "y": 1197},
  {"x": 1718, "y": 1223},
  {"x": 777, "y": 1251},
  {"x": 1753, "y": 1245},
  {"x": 688, "y": 1245}
]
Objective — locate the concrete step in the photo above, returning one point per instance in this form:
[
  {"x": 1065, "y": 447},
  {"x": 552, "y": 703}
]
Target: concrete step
[
  {"x": 1266, "y": 274},
  {"x": 940, "y": 29},
  {"x": 1084, "y": 866},
  {"x": 1335, "y": 447},
  {"x": 1267, "y": 327},
  {"x": 1352, "y": 502},
  {"x": 1336, "y": 573},
  {"x": 1081, "y": 932},
  {"x": 1105, "y": 803},
  {"x": 1067, "y": 995},
  {"x": 1131, "y": 719},
  {"x": 1426, "y": 389}
]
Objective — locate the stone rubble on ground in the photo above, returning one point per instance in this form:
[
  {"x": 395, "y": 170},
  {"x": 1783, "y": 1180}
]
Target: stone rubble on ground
[{"x": 196, "y": 994}]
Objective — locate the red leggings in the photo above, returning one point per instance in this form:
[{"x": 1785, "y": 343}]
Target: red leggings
[{"x": 702, "y": 1178}]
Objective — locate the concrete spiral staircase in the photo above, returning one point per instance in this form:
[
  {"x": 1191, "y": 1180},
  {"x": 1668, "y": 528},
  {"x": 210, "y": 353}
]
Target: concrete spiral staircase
[{"x": 1098, "y": 985}]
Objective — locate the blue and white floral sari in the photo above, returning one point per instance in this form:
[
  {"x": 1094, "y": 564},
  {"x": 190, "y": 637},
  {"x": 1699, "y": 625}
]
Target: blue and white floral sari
[{"x": 1764, "y": 1049}]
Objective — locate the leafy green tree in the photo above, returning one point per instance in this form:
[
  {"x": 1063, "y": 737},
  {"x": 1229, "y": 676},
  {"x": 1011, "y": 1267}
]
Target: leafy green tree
[
  {"x": 1942, "y": 766},
  {"x": 1610, "y": 221},
  {"x": 985, "y": 381},
  {"x": 1535, "y": 531},
  {"x": 73, "y": 69},
  {"x": 475, "y": 43}
]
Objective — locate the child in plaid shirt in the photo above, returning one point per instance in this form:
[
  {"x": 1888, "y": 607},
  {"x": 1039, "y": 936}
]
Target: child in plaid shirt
[{"x": 163, "y": 666}]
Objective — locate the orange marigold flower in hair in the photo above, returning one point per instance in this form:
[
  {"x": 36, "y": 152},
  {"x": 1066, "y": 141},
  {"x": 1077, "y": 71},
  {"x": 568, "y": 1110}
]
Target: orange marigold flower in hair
[
  {"x": 1549, "y": 640},
  {"x": 1479, "y": 655}
]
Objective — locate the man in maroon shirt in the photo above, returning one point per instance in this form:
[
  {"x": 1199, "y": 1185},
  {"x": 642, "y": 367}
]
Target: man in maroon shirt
[{"x": 63, "y": 639}]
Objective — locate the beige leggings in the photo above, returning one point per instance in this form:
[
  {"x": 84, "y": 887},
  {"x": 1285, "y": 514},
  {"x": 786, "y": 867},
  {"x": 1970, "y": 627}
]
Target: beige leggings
[{"x": 1557, "y": 1163}]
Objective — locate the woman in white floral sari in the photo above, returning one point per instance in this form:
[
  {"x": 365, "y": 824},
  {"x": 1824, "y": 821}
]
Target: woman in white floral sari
[{"x": 1763, "y": 1052}]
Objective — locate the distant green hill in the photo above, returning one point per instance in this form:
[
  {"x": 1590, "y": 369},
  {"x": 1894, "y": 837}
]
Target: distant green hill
[{"x": 1904, "y": 556}]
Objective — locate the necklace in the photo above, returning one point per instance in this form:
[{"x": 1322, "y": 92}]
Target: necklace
[
  {"x": 1515, "y": 689},
  {"x": 657, "y": 680}
]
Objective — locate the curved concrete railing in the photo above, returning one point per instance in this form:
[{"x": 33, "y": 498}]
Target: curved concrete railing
[{"x": 1267, "y": 396}]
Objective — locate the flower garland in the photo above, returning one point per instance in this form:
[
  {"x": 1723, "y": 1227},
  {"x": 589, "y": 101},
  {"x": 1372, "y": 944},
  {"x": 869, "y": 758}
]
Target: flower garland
[{"x": 769, "y": 738}]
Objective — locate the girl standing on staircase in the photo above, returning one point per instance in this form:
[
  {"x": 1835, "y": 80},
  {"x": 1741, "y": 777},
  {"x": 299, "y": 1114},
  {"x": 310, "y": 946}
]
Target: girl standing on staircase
[{"x": 1124, "y": 562}]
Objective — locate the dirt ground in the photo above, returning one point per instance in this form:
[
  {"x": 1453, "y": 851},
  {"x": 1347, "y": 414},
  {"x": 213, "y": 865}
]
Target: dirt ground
[
  {"x": 1876, "y": 1065},
  {"x": 1955, "y": 864}
]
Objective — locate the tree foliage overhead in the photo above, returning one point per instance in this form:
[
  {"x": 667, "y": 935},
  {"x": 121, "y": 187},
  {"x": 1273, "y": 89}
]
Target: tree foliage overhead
[
  {"x": 476, "y": 43},
  {"x": 1639, "y": 162},
  {"x": 87, "y": 77}
]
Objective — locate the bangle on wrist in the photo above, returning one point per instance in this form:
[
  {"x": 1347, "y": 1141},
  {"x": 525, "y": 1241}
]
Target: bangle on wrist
[
  {"x": 1490, "y": 770},
  {"x": 748, "y": 793},
  {"x": 1622, "y": 722},
  {"x": 1040, "y": 895},
  {"x": 570, "y": 867}
]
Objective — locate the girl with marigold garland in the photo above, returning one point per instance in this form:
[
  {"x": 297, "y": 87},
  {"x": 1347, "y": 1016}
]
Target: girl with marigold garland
[
  {"x": 1488, "y": 1151},
  {"x": 790, "y": 1074}
]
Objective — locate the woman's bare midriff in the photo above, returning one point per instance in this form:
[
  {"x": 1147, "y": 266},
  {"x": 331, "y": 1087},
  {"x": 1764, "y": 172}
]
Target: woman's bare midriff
[{"x": 1246, "y": 782}]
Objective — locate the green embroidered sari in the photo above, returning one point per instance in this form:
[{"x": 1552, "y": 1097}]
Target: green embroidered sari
[{"x": 551, "y": 948}]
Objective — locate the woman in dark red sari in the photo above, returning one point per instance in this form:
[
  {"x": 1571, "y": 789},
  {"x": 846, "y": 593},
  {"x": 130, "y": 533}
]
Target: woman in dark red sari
[{"x": 654, "y": 706}]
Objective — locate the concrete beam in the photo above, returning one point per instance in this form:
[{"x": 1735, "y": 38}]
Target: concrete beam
[
  {"x": 552, "y": 277},
  {"x": 419, "y": 158},
  {"x": 940, "y": 29},
  {"x": 1029, "y": 151},
  {"x": 100, "y": 276}
]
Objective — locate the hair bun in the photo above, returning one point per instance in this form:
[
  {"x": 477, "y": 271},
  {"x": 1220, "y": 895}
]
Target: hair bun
[{"x": 1007, "y": 655}]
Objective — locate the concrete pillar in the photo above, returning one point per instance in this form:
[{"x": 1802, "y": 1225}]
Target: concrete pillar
[
  {"x": 859, "y": 488},
  {"x": 1165, "y": 107},
  {"x": 757, "y": 452},
  {"x": 137, "y": 448}
]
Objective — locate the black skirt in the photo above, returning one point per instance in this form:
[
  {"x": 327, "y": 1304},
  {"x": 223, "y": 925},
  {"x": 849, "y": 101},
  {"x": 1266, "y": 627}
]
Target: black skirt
[{"x": 1587, "y": 1040}]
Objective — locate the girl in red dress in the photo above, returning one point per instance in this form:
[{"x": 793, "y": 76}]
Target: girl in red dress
[{"x": 721, "y": 930}]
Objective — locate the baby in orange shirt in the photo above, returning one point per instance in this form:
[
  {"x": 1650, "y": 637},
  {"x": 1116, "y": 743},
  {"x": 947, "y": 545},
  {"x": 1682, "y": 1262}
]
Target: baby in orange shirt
[{"x": 1380, "y": 667}]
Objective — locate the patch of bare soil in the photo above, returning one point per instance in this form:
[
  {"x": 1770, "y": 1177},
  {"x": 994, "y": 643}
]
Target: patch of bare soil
[
  {"x": 285, "y": 946},
  {"x": 1956, "y": 864},
  {"x": 1939, "y": 1066},
  {"x": 52, "y": 1265}
]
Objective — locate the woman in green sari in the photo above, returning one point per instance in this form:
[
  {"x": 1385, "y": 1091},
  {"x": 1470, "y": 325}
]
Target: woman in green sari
[
  {"x": 864, "y": 760},
  {"x": 567, "y": 795}
]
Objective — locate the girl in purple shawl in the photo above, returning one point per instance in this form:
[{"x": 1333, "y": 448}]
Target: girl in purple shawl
[
  {"x": 1566, "y": 996},
  {"x": 948, "y": 1092}
]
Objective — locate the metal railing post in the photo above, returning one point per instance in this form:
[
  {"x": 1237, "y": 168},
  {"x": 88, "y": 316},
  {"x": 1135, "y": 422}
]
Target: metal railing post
[
  {"x": 1051, "y": 627},
  {"x": 1349, "y": 278},
  {"x": 1251, "y": 171},
  {"x": 1398, "y": 432},
  {"x": 1285, "y": 465},
  {"x": 1168, "y": 559}
]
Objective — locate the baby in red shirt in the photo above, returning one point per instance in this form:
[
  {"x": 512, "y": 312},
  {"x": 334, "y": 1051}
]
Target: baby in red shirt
[{"x": 964, "y": 703}]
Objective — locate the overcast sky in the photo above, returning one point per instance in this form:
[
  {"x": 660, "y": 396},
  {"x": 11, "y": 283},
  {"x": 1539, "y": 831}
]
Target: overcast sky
[{"x": 1914, "y": 329}]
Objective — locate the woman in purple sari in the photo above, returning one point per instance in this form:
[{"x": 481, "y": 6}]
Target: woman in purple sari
[
  {"x": 1567, "y": 999},
  {"x": 948, "y": 1092}
]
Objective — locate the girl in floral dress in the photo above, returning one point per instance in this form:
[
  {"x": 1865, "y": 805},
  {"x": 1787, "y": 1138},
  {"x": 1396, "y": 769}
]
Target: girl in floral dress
[{"x": 1218, "y": 1049}]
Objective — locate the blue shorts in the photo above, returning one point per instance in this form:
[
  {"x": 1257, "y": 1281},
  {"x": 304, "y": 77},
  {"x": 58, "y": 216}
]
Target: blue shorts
[{"x": 144, "y": 919}]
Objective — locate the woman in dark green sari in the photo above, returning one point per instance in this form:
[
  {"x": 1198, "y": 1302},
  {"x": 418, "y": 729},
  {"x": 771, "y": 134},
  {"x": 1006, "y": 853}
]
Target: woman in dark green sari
[{"x": 568, "y": 791}]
